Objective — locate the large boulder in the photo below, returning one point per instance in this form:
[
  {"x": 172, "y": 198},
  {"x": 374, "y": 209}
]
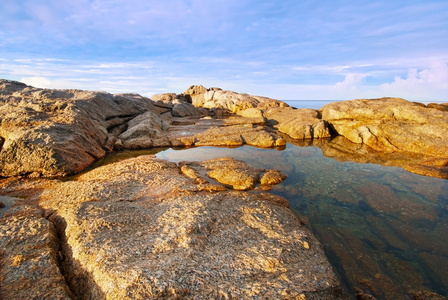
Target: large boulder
[
  {"x": 215, "y": 98},
  {"x": 142, "y": 229},
  {"x": 391, "y": 124},
  {"x": 144, "y": 131},
  {"x": 185, "y": 110},
  {"x": 297, "y": 123},
  {"x": 59, "y": 132}
]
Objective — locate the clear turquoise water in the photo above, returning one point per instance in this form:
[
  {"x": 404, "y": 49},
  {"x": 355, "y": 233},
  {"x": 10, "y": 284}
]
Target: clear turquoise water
[{"x": 384, "y": 229}]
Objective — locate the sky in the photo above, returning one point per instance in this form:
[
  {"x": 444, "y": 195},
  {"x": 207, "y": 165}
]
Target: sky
[{"x": 287, "y": 50}]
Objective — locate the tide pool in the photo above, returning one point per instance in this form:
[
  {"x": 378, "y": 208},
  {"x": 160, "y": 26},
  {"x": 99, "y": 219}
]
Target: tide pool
[{"x": 384, "y": 230}]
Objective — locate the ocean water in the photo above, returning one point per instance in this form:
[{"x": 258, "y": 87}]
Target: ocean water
[
  {"x": 317, "y": 104},
  {"x": 314, "y": 104}
]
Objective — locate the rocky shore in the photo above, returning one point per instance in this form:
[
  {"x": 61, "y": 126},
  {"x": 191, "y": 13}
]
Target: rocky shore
[{"x": 148, "y": 228}]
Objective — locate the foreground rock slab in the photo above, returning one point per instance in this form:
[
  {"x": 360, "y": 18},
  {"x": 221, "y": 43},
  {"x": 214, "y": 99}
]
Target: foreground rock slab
[
  {"x": 29, "y": 255},
  {"x": 141, "y": 229}
]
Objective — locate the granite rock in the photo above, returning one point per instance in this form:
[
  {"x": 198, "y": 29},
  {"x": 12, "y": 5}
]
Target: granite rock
[
  {"x": 390, "y": 125},
  {"x": 140, "y": 228},
  {"x": 297, "y": 123}
]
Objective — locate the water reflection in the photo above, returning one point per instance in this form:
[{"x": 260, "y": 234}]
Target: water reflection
[{"x": 384, "y": 229}]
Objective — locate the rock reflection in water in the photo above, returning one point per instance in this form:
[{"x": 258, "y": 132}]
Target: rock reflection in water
[{"x": 384, "y": 229}]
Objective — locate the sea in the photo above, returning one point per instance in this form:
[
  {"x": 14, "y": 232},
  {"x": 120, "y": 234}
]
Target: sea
[
  {"x": 317, "y": 104},
  {"x": 314, "y": 104}
]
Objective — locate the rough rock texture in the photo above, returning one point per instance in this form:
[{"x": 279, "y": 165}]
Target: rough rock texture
[
  {"x": 59, "y": 132},
  {"x": 425, "y": 295},
  {"x": 144, "y": 131},
  {"x": 442, "y": 106},
  {"x": 29, "y": 256},
  {"x": 298, "y": 123},
  {"x": 215, "y": 98},
  {"x": 236, "y": 174},
  {"x": 142, "y": 229},
  {"x": 231, "y": 132},
  {"x": 391, "y": 124}
]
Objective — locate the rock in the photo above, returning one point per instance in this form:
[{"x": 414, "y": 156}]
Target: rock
[
  {"x": 232, "y": 173},
  {"x": 229, "y": 100},
  {"x": 232, "y": 132},
  {"x": 29, "y": 256},
  {"x": 195, "y": 95},
  {"x": 272, "y": 177},
  {"x": 195, "y": 90},
  {"x": 217, "y": 99},
  {"x": 166, "y": 97},
  {"x": 443, "y": 106},
  {"x": 185, "y": 110},
  {"x": 390, "y": 125},
  {"x": 59, "y": 132},
  {"x": 364, "y": 296},
  {"x": 144, "y": 131},
  {"x": 265, "y": 103},
  {"x": 140, "y": 228},
  {"x": 297, "y": 123},
  {"x": 251, "y": 113},
  {"x": 425, "y": 295}
]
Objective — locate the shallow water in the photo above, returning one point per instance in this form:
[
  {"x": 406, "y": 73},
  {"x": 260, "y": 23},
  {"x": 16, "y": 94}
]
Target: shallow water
[{"x": 385, "y": 230}]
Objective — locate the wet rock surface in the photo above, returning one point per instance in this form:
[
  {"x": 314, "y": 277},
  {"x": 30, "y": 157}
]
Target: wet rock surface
[
  {"x": 235, "y": 174},
  {"x": 141, "y": 228}
]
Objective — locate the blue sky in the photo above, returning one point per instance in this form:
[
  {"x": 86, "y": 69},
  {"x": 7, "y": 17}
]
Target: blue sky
[{"x": 282, "y": 49}]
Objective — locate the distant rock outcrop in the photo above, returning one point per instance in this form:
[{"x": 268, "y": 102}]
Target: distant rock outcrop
[{"x": 391, "y": 124}]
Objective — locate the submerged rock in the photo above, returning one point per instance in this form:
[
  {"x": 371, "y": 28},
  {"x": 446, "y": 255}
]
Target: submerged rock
[{"x": 234, "y": 173}]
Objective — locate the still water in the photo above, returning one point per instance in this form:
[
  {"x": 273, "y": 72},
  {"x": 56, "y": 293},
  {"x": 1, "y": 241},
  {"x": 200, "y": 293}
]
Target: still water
[{"x": 385, "y": 230}]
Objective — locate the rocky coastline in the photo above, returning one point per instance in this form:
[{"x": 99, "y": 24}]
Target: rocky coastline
[{"x": 148, "y": 228}]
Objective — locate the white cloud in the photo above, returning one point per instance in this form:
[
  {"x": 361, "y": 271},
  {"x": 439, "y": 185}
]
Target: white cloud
[
  {"x": 351, "y": 82},
  {"x": 430, "y": 82},
  {"x": 40, "y": 82}
]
